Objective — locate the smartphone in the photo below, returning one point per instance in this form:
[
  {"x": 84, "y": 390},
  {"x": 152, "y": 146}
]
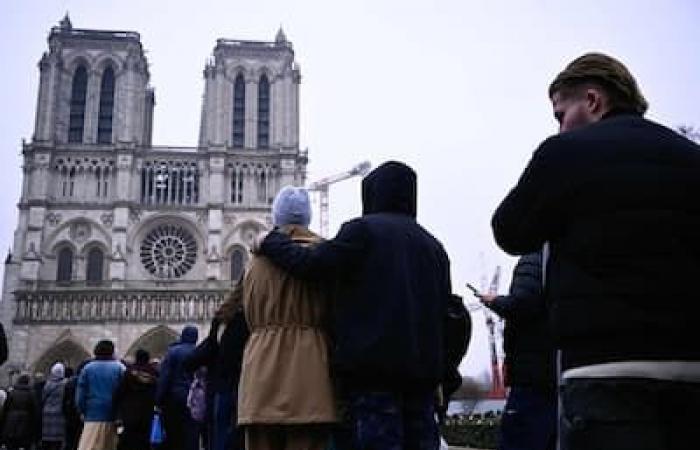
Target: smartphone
[{"x": 474, "y": 290}]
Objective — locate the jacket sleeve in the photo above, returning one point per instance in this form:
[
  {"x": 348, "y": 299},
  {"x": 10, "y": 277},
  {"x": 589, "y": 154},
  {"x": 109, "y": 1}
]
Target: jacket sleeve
[
  {"x": 532, "y": 212},
  {"x": 526, "y": 299},
  {"x": 320, "y": 261},
  {"x": 202, "y": 355},
  {"x": 163, "y": 381},
  {"x": 81, "y": 392}
]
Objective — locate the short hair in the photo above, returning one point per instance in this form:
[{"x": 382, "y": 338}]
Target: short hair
[
  {"x": 142, "y": 356},
  {"x": 23, "y": 379},
  {"x": 610, "y": 74},
  {"x": 104, "y": 348}
]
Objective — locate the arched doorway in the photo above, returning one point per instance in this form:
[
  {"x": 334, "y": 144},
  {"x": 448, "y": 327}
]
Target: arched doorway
[
  {"x": 156, "y": 341},
  {"x": 67, "y": 351}
]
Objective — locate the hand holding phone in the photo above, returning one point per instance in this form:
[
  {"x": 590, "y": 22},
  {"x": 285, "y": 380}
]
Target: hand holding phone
[{"x": 474, "y": 290}]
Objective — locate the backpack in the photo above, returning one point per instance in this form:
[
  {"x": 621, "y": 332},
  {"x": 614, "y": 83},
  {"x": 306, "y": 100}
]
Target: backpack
[
  {"x": 197, "y": 399},
  {"x": 458, "y": 331}
]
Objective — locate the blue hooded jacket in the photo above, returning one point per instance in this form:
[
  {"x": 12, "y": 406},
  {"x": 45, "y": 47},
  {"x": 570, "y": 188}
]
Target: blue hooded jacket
[{"x": 174, "y": 380}]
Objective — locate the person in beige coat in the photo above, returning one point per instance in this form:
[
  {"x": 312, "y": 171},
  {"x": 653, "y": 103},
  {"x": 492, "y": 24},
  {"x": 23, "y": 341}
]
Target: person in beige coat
[{"x": 285, "y": 396}]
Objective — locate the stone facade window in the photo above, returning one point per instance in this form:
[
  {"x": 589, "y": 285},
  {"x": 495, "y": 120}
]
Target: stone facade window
[
  {"x": 168, "y": 251},
  {"x": 236, "y": 186},
  {"x": 102, "y": 181},
  {"x": 104, "y": 119},
  {"x": 77, "y": 105},
  {"x": 263, "y": 112},
  {"x": 238, "y": 261},
  {"x": 238, "y": 138},
  {"x": 64, "y": 270},
  {"x": 170, "y": 182},
  {"x": 95, "y": 265}
]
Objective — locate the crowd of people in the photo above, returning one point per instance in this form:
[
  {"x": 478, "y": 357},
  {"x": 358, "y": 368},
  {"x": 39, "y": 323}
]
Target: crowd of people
[{"x": 349, "y": 343}]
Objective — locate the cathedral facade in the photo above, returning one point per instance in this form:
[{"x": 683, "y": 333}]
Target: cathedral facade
[{"x": 121, "y": 239}]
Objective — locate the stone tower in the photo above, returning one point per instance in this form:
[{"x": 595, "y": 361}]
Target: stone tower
[{"x": 121, "y": 239}]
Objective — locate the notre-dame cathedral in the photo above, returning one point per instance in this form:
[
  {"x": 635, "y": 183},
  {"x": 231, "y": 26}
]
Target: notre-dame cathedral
[{"x": 122, "y": 239}]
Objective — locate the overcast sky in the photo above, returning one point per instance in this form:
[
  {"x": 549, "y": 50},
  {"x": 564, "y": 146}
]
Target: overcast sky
[{"x": 457, "y": 89}]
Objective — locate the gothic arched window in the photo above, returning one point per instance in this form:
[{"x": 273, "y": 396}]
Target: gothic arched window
[
  {"x": 64, "y": 271},
  {"x": 77, "y": 105},
  {"x": 104, "y": 121},
  {"x": 238, "y": 262},
  {"x": 95, "y": 265},
  {"x": 239, "y": 111},
  {"x": 263, "y": 112}
]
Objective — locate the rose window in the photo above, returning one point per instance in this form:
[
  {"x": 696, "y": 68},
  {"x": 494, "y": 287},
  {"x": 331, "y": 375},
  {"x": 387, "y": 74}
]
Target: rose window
[{"x": 168, "y": 251}]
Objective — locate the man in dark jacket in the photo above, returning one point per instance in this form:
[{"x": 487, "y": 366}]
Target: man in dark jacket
[
  {"x": 171, "y": 394},
  {"x": 614, "y": 194},
  {"x": 388, "y": 319},
  {"x": 18, "y": 427},
  {"x": 529, "y": 420},
  {"x": 134, "y": 400},
  {"x": 223, "y": 358}
]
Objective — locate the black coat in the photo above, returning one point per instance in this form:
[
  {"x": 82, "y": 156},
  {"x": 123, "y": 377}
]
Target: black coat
[
  {"x": 394, "y": 284},
  {"x": 135, "y": 396},
  {"x": 527, "y": 340},
  {"x": 20, "y": 417},
  {"x": 618, "y": 200}
]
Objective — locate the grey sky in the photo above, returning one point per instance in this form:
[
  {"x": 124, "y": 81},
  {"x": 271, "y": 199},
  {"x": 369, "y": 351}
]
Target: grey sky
[{"x": 455, "y": 88}]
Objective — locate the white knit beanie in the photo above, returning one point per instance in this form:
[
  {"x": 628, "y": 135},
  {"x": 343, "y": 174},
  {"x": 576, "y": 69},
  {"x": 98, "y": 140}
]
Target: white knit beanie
[
  {"x": 292, "y": 206},
  {"x": 58, "y": 370}
]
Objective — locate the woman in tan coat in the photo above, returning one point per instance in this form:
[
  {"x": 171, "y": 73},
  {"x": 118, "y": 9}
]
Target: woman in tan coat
[{"x": 285, "y": 397}]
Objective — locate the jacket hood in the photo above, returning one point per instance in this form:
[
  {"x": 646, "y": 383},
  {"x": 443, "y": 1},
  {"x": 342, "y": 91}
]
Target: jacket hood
[
  {"x": 390, "y": 187},
  {"x": 189, "y": 335}
]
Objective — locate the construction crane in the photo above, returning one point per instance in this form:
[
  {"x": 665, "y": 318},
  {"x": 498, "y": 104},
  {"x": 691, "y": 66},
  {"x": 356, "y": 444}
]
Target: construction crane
[
  {"x": 497, "y": 385},
  {"x": 321, "y": 186}
]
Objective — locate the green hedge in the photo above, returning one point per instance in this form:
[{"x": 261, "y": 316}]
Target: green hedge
[{"x": 474, "y": 432}]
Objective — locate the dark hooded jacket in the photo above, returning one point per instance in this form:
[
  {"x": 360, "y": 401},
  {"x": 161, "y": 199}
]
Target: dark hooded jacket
[
  {"x": 394, "y": 282},
  {"x": 174, "y": 380},
  {"x": 528, "y": 343}
]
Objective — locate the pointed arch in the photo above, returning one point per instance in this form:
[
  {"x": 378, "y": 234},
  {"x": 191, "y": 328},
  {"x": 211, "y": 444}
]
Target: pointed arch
[
  {"x": 263, "y": 111},
  {"x": 67, "y": 351},
  {"x": 106, "y": 111},
  {"x": 76, "y": 123},
  {"x": 238, "y": 138},
  {"x": 155, "y": 341}
]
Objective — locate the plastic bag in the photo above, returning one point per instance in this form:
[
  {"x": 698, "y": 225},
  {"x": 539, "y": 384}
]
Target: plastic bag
[{"x": 157, "y": 431}]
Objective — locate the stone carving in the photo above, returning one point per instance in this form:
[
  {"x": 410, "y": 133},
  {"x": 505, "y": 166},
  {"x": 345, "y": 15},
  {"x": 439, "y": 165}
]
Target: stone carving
[
  {"x": 134, "y": 215},
  {"x": 230, "y": 219},
  {"x": 107, "y": 219},
  {"x": 80, "y": 231},
  {"x": 122, "y": 306},
  {"x": 53, "y": 219}
]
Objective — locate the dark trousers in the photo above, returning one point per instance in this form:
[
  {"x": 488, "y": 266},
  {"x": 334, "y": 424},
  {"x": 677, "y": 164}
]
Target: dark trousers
[
  {"x": 181, "y": 431},
  {"x": 225, "y": 433},
  {"x": 629, "y": 414},
  {"x": 529, "y": 420},
  {"x": 136, "y": 436},
  {"x": 387, "y": 421}
]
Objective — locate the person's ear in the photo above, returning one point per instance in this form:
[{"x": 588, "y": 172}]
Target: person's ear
[{"x": 594, "y": 101}]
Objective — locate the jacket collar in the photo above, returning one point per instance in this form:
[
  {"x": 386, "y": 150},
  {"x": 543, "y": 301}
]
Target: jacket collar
[{"x": 300, "y": 234}]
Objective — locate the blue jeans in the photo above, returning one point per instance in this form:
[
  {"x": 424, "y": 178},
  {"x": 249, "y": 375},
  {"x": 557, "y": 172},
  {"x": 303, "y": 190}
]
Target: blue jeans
[
  {"x": 629, "y": 414},
  {"x": 529, "y": 421},
  {"x": 387, "y": 421}
]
